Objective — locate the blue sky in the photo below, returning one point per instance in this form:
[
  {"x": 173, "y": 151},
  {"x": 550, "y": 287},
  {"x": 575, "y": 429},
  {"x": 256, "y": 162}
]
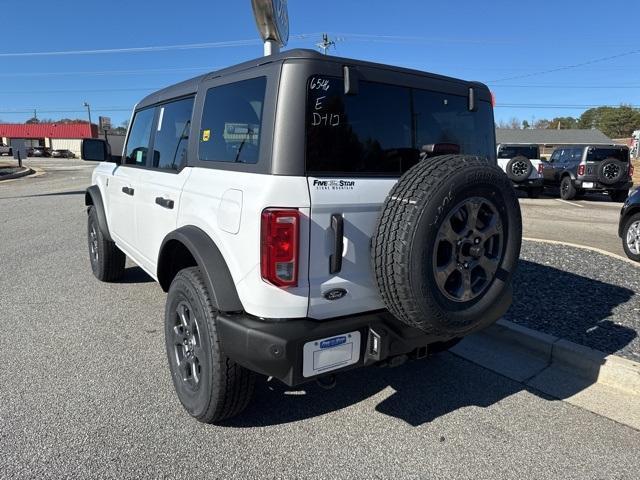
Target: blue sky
[{"x": 491, "y": 41}]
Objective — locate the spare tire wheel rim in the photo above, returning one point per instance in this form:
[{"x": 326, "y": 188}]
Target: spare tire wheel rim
[
  {"x": 187, "y": 346},
  {"x": 633, "y": 238},
  {"x": 519, "y": 168},
  {"x": 468, "y": 249},
  {"x": 611, "y": 171}
]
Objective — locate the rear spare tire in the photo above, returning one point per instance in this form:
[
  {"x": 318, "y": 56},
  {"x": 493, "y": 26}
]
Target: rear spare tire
[
  {"x": 611, "y": 170},
  {"x": 446, "y": 245},
  {"x": 519, "y": 168}
]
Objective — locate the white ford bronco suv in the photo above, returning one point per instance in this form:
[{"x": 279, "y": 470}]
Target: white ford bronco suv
[
  {"x": 307, "y": 215},
  {"x": 522, "y": 164}
]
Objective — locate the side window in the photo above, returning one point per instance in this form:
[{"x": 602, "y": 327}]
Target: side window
[
  {"x": 577, "y": 155},
  {"x": 232, "y": 122},
  {"x": 139, "y": 135},
  {"x": 172, "y": 134},
  {"x": 555, "y": 156},
  {"x": 564, "y": 155}
]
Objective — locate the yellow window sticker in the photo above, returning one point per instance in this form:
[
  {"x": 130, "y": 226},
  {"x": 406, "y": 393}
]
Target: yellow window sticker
[{"x": 206, "y": 135}]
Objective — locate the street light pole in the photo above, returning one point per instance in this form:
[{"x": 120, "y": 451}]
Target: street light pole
[{"x": 89, "y": 112}]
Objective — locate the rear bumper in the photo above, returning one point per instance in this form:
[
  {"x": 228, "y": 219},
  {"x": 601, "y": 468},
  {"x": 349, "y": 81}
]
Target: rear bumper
[
  {"x": 275, "y": 347},
  {"x": 530, "y": 183},
  {"x": 601, "y": 186}
]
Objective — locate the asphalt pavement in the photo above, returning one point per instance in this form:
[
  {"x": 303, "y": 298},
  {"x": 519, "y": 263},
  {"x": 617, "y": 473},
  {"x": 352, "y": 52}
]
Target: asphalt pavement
[
  {"x": 85, "y": 391},
  {"x": 591, "y": 221}
]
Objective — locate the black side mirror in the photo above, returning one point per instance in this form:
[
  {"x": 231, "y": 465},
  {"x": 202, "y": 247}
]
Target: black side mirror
[{"x": 96, "y": 150}]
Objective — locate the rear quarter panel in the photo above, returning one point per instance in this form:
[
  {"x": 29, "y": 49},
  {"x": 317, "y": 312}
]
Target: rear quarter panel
[{"x": 211, "y": 202}]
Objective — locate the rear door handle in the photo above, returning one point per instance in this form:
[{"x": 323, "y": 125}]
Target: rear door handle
[
  {"x": 128, "y": 190},
  {"x": 164, "y": 202},
  {"x": 335, "y": 259}
]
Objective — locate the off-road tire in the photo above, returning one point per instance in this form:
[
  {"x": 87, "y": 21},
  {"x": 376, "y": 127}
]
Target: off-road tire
[
  {"x": 406, "y": 240},
  {"x": 611, "y": 171},
  {"x": 633, "y": 220},
  {"x": 519, "y": 168},
  {"x": 224, "y": 388},
  {"x": 618, "y": 195},
  {"x": 567, "y": 189},
  {"x": 107, "y": 260}
]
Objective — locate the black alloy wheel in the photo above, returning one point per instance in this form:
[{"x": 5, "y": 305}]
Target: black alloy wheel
[
  {"x": 469, "y": 249},
  {"x": 187, "y": 346}
]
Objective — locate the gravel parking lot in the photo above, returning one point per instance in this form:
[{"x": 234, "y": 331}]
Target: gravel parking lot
[
  {"x": 86, "y": 393},
  {"x": 583, "y": 296}
]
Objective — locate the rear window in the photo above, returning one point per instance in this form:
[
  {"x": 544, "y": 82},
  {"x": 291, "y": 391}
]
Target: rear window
[
  {"x": 381, "y": 130},
  {"x": 599, "y": 154},
  {"x": 511, "y": 151}
]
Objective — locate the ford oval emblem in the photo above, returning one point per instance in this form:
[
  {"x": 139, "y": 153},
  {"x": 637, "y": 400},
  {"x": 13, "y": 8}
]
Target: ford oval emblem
[{"x": 335, "y": 294}]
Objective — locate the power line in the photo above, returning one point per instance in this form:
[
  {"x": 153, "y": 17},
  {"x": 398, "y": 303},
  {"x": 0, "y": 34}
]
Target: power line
[
  {"x": 92, "y": 90},
  {"x": 568, "y": 86},
  {"x": 539, "y": 105},
  {"x": 237, "y": 43},
  {"x": 567, "y": 67},
  {"x": 112, "y": 72},
  {"x": 101, "y": 109},
  {"x": 159, "y": 48},
  {"x": 412, "y": 39}
]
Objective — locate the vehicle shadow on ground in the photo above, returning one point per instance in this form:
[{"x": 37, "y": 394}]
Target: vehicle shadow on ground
[
  {"x": 551, "y": 193},
  {"x": 55, "y": 194},
  {"x": 417, "y": 392},
  {"x": 570, "y": 306},
  {"x": 561, "y": 303},
  {"x": 135, "y": 275}
]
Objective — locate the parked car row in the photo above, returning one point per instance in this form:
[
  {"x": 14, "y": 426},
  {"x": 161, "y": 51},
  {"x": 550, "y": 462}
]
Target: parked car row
[
  {"x": 40, "y": 151},
  {"x": 575, "y": 169}
]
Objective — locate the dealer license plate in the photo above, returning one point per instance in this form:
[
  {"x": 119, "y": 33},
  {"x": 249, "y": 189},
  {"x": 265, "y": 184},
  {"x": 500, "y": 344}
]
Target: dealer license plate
[{"x": 327, "y": 354}]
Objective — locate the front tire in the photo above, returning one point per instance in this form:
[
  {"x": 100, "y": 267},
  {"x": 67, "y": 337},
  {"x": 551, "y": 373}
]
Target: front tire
[
  {"x": 210, "y": 386},
  {"x": 631, "y": 237},
  {"x": 107, "y": 260},
  {"x": 567, "y": 190}
]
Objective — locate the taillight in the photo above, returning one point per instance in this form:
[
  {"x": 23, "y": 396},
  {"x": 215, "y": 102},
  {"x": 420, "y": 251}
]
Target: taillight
[
  {"x": 493, "y": 99},
  {"x": 279, "y": 241},
  {"x": 630, "y": 169},
  {"x": 540, "y": 168},
  {"x": 581, "y": 169}
]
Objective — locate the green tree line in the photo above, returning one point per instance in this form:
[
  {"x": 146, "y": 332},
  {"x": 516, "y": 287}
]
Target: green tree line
[{"x": 614, "y": 122}]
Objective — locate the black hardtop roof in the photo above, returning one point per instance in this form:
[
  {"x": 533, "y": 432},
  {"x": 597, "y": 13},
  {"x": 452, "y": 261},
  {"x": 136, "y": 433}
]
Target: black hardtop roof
[{"x": 191, "y": 86}]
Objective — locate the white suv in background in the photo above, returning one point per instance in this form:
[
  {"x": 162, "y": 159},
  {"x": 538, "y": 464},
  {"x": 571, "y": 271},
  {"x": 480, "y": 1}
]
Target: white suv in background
[
  {"x": 307, "y": 215},
  {"x": 521, "y": 162}
]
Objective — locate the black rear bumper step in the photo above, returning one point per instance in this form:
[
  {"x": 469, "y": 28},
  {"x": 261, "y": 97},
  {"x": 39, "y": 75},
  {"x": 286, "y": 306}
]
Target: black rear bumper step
[{"x": 275, "y": 347}]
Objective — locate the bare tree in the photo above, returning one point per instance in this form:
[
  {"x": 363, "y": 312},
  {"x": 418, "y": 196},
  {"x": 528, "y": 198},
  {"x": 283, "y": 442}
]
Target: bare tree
[{"x": 513, "y": 124}]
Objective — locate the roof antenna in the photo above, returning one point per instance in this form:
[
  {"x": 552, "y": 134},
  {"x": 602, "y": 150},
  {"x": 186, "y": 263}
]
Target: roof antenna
[{"x": 325, "y": 44}]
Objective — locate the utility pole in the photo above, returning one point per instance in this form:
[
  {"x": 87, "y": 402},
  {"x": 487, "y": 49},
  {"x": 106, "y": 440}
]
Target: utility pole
[
  {"x": 89, "y": 112},
  {"x": 35, "y": 114},
  {"x": 325, "y": 44}
]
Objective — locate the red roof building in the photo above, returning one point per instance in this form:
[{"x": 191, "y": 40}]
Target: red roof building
[{"x": 48, "y": 130}]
